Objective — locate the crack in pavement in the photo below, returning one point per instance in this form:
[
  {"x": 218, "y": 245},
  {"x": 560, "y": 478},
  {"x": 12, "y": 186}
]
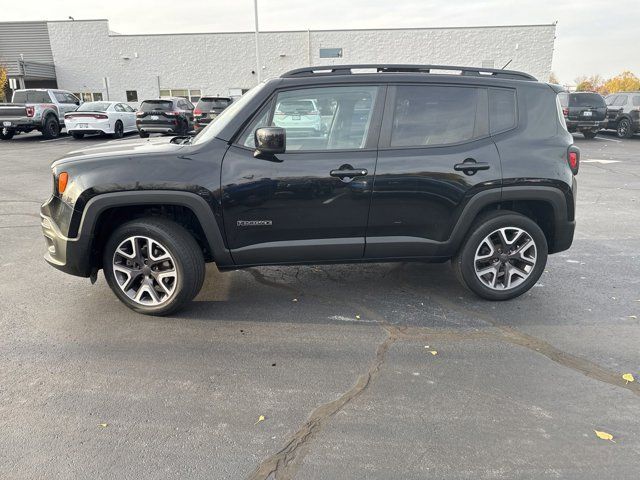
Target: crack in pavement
[{"x": 284, "y": 464}]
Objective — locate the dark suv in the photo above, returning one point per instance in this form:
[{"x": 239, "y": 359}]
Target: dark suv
[
  {"x": 623, "y": 113},
  {"x": 584, "y": 112},
  {"x": 475, "y": 165},
  {"x": 173, "y": 116},
  {"x": 208, "y": 108}
]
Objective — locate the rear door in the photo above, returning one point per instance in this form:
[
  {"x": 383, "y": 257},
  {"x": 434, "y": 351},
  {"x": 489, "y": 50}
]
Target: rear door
[
  {"x": 311, "y": 202},
  {"x": 435, "y": 153}
]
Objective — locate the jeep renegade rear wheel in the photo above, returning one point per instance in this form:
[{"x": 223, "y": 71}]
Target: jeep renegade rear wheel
[
  {"x": 153, "y": 265},
  {"x": 503, "y": 257}
]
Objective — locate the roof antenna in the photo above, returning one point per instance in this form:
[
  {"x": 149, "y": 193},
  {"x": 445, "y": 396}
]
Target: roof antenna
[{"x": 507, "y": 64}]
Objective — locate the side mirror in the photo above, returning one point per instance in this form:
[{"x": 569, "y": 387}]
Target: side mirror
[{"x": 270, "y": 141}]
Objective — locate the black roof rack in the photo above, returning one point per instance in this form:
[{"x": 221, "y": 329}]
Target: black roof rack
[{"x": 406, "y": 68}]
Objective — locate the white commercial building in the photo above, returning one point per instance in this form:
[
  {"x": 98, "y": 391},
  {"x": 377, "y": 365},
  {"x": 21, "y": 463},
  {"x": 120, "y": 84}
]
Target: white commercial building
[{"x": 91, "y": 60}]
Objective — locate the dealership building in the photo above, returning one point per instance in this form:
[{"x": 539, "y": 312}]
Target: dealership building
[{"x": 87, "y": 58}]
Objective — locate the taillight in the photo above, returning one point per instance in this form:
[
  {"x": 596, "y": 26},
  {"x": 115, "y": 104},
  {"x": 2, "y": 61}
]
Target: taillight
[
  {"x": 573, "y": 157},
  {"x": 101, "y": 117},
  {"x": 175, "y": 114},
  {"x": 63, "y": 178},
  {"x": 31, "y": 111},
  {"x": 565, "y": 112},
  {"x": 197, "y": 112}
]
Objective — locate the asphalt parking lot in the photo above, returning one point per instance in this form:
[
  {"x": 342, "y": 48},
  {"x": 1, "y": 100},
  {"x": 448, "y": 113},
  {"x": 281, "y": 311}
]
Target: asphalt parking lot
[{"x": 378, "y": 371}]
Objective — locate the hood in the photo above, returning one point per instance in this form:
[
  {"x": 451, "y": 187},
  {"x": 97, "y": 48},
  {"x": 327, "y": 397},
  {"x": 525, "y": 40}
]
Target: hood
[{"x": 119, "y": 150}]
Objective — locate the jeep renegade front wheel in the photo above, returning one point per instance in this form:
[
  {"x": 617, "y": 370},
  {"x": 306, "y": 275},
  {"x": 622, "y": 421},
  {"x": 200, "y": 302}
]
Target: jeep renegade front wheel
[
  {"x": 153, "y": 265},
  {"x": 503, "y": 257}
]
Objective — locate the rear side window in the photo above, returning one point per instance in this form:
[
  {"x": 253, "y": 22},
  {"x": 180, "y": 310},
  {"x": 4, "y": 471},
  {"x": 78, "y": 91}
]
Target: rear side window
[
  {"x": 620, "y": 101},
  {"x": 156, "y": 105},
  {"x": 586, "y": 100},
  {"x": 502, "y": 109},
  {"x": 610, "y": 99},
  {"x": 425, "y": 115}
]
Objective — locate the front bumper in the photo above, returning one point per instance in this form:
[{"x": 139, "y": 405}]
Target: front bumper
[{"x": 70, "y": 255}]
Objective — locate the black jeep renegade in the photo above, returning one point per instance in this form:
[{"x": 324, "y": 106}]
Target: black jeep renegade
[{"x": 340, "y": 164}]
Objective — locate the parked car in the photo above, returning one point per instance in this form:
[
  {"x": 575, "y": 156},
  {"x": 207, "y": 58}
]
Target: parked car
[
  {"x": 584, "y": 112},
  {"x": 169, "y": 115},
  {"x": 476, "y": 167},
  {"x": 299, "y": 117},
  {"x": 36, "y": 109},
  {"x": 623, "y": 113},
  {"x": 110, "y": 118},
  {"x": 209, "y": 108}
]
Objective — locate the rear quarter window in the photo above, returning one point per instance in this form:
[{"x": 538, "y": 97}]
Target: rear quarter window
[{"x": 502, "y": 110}]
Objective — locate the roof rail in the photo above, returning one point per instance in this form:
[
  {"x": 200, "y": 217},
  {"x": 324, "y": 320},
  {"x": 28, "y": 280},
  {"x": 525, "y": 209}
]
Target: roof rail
[{"x": 406, "y": 68}]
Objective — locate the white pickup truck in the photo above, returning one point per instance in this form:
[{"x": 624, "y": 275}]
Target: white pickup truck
[{"x": 36, "y": 109}]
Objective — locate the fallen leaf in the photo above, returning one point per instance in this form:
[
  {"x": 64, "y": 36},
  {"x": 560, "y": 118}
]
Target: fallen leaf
[
  {"x": 633, "y": 316},
  {"x": 628, "y": 377},
  {"x": 260, "y": 419},
  {"x": 604, "y": 436},
  {"x": 357, "y": 317},
  {"x": 103, "y": 425},
  {"x": 433, "y": 352},
  {"x": 426, "y": 346},
  {"x": 294, "y": 300}
]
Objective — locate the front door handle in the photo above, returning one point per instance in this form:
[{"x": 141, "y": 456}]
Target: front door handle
[
  {"x": 346, "y": 173},
  {"x": 470, "y": 166}
]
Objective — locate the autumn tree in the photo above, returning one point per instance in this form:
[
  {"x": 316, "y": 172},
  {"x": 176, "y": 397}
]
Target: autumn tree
[
  {"x": 625, "y": 82},
  {"x": 554, "y": 79},
  {"x": 593, "y": 83},
  {"x": 3, "y": 80}
]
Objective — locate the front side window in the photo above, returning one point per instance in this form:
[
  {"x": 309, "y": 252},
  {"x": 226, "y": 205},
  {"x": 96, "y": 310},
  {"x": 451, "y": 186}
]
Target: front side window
[
  {"x": 327, "y": 118},
  {"x": 426, "y": 115},
  {"x": 610, "y": 99},
  {"x": 620, "y": 101}
]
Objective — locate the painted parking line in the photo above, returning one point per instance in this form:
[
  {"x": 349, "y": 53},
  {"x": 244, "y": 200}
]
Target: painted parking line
[
  {"x": 608, "y": 139},
  {"x": 598, "y": 160},
  {"x": 54, "y": 139}
]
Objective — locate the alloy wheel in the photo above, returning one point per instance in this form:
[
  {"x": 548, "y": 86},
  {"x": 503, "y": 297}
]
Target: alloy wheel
[
  {"x": 505, "y": 258},
  {"x": 145, "y": 270},
  {"x": 623, "y": 128}
]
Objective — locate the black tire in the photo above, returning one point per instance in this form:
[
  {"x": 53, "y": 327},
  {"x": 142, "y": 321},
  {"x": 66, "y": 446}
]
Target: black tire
[
  {"x": 6, "y": 133},
  {"x": 118, "y": 130},
  {"x": 143, "y": 134},
  {"x": 77, "y": 135},
  {"x": 50, "y": 127},
  {"x": 624, "y": 129},
  {"x": 464, "y": 261},
  {"x": 181, "y": 246},
  {"x": 589, "y": 134}
]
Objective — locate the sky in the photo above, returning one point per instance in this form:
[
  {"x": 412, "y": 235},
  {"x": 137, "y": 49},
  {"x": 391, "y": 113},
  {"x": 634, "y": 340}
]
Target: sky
[{"x": 591, "y": 38}]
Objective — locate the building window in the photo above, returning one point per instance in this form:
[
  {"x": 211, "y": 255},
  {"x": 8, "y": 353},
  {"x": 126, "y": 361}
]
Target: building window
[
  {"x": 132, "y": 95},
  {"x": 330, "y": 53},
  {"x": 191, "y": 94},
  {"x": 89, "y": 96}
]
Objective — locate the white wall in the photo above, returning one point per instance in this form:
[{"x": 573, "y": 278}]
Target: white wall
[{"x": 84, "y": 53}]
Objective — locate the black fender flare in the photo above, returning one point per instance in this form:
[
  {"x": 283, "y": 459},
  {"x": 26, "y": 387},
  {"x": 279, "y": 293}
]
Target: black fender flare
[{"x": 201, "y": 209}]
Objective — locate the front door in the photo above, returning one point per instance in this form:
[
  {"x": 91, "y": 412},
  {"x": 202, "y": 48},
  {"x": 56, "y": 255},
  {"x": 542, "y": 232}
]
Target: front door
[
  {"x": 435, "y": 152},
  {"x": 310, "y": 203}
]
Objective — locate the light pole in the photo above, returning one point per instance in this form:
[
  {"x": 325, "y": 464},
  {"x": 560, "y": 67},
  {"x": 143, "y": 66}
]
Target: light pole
[{"x": 259, "y": 67}]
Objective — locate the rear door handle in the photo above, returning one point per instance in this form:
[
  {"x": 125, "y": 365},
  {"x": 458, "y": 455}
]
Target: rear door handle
[{"x": 470, "y": 166}]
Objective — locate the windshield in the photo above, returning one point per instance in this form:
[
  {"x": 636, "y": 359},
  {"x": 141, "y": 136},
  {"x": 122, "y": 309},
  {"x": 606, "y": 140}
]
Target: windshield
[
  {"x": 222, "y": 120},
  {"x": 209, "y": 103},
  {"x": 93, "y": 107},
  {"x": 155, "y": 105}
]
